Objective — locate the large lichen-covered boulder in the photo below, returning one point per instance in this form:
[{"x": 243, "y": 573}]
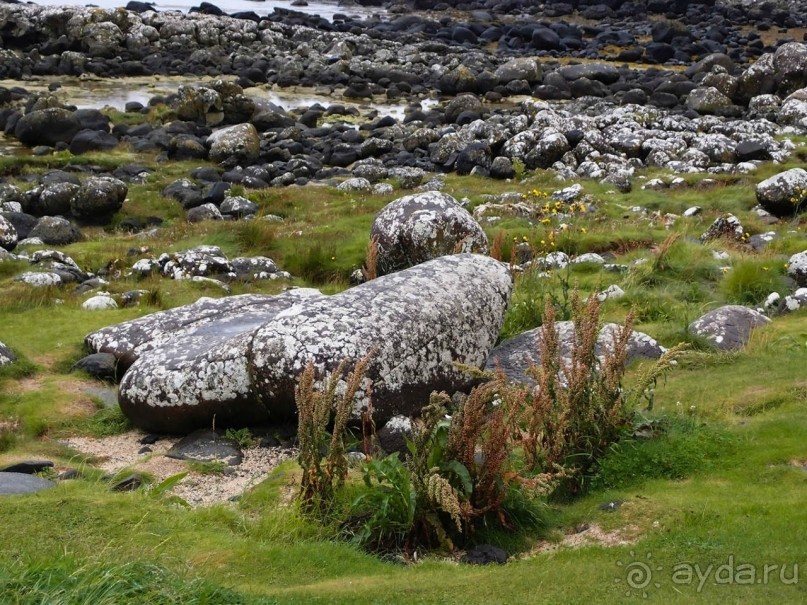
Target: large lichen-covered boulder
[
  {"x": 47, "y": 127},
  {"x": 189, "y": 367},
  {"x": 729, "y": 327},
  {"x": 239, "y": 143},
  {"x": 420, "y": 227},
  {"x": 98, "y": 198},
  {"x": 129, "y": 340},
  {"x": 515, "y": 355},
  {"x": 783, "y": 194},
  {"x": 416, "y": 323}
]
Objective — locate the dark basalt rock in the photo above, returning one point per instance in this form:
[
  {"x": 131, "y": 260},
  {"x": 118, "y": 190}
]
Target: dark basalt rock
[
  {"x": 98, "y": 365},
  {"x": 27, "y": 467},
  {"x": 206, "y": 445},
  {"x": 47, "y": 127},
  {"x": 485, "y": 554},
  {"x": 98, "y": 198},
  {"x": 55, "y": 231}
]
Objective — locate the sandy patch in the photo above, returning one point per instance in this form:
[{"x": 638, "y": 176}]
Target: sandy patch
[
  {"x": 113, "y": 454},
  {"x": 588, "y": 535}
]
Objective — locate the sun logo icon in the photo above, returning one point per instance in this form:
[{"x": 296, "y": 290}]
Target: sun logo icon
[{"x": 638, "y": 575}]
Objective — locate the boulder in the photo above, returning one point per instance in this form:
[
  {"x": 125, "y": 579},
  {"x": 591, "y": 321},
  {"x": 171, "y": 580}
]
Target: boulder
[
  {"x": 709, "y": 100},
  {"x": 797, "y": 268},
  {"x": 524, "y": 68},
  {"x": 393, "y": 435},
  {"x": 189, "y": 367},
  {"x": 729, "y": 327},
  {"x": 783, "y": 194},
  {"x": 7, "y": 356},
  {"x": 199, "y": 104},
  {"x": 55, "y": 231},
  {"x": 98, "y": 198},
  {"x": 235, "y": 144},
  {"x": 205, "y": 212},
  {"x": 415, "y": 324},
  {"x": 515, "y": 356},
  {"x": 8, "y": 234},
  {"x": 53, "y": 200},
  {"x": 238, "y": 206},
  {"x": 100, "y": 302},
  {"x": 98, "y": 365},
  {"x": 47, "y": 127},
  {"x": 92, "y": 140},
  {"x": 423, "y": 226}
]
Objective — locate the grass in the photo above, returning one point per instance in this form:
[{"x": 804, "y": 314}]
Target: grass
[{"x": 722, "y": 476}]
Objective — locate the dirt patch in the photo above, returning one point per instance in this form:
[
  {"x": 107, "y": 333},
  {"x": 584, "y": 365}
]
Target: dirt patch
[
  {"x": 113, "y": 454},
  {"x": 588, "y": 535}
]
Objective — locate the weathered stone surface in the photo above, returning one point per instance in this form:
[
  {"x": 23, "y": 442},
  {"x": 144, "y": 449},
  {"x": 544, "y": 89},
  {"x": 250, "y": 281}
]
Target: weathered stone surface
[
  {"x": 728, "y": 328},
  {"x": 7, "y": 356},
  {"x": 728, "y": 226},
  {"x": 207, "y": 317},
  {"x": 20, "y": 483},
  {"x": 27, "y": 467},
  {"x": 98, "y": 365},
  {"x": 55, "y": 231},
  {"x": 8, "y": 234},
  {"x": 797, "y": 268},
  {"x": 47, "y": 127},
  {"x": 190, "y": 365},
  {"x": 206, "y": 445},
  {"x": 418, "y": 322},
  {"x": 100, "y": 302},
  {"x": 393, "y": 435},
  {"x": 98, "y": 198},
  {"x": 515, "y": 356},
  {"x": 783, "y": 194},
  {"x": 239, "y": 143},
  {"x": 421, "y": 227}
]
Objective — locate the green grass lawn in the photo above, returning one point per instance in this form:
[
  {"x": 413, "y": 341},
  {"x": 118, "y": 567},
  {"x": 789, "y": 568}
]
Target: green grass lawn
[{"x": 706, "y": 507}]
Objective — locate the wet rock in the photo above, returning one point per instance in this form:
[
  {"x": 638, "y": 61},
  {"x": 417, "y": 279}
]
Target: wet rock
[
  {"x": 417, "y": 323},
  {"x": 783, "y": 194},
  {"x": 206, "y": 445},
  {"x": 55, "y": 231},
  {"x": 729, "y": 327},
  {"x": 423, "y": 226},
  {"x": 20, "y": 483},
  {"x": 515, "y": 356},
  {"x": 98, "y": 198}
]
